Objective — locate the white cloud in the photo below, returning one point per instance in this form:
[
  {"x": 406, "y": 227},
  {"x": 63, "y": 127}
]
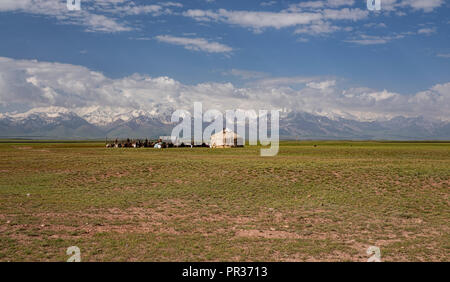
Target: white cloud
[
  {"x": 425, "y": 5},
  {"x": 96, "y": 16},
  {"x": 426, "y": 31},
  {"x": 10, "y": 5},
  {"x": 364, "y": 39},
  {"x": 376, "y": 25},
  {"x": 255, "y": 20},
  {"x": 268, "y": 3},
  {"x": 317, "y": 28},
  {"x": 338, "y": 3},
  {"x": 101, "y": 23},
  {"x": 137, "y": 10},
  {"x": 306, "y": 5},
  {"x": 196, "y": 44},
  {"x": 417, "y": 5},
  {"x": 261, "y": 20},
  {"x": 345, "y": 14},
  {"x": 172, "y": 4},
  {"x": 314, "y": 5},
  {"x": 129, "y": 8},
  {"x": 442, "y": 55},
  {"x": 246, "y": 74},
  {"x": 284, "y": 81},
  {"x": 322, "y": 85},
  {"x": 32, "y": 84},
  {"x": 58, "y": 9}
]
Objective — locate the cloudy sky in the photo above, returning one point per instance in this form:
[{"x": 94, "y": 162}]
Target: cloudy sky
[{"x": 329, "y": 57}]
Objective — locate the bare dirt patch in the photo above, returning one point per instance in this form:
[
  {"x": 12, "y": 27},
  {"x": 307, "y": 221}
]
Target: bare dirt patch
[
  {"x": 268, "y": 234},
  {"x": 22, "y": 147}
]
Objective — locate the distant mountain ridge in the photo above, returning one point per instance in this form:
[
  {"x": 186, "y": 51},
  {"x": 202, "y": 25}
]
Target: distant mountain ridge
[{"x": 98, "y": 123}]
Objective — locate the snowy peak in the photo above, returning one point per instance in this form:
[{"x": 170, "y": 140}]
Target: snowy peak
[
  {"x": 98, "y": 122},
  {"x": 104, "y": 116},
  {"x": 99, "y": 116},
  {"x": 48, "y": 112}
]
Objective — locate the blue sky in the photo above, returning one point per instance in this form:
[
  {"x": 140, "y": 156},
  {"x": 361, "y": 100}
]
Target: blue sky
[{"x": 404, "y": 48}]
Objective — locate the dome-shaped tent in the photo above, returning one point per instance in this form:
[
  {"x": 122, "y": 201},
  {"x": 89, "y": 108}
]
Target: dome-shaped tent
[{"x": 226, "y": 139}]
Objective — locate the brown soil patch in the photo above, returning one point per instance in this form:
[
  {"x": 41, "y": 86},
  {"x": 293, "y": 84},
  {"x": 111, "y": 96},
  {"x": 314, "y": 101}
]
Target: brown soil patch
[
  {"x": 268, "y": 234},
  {"x": 118, "y": 174}
]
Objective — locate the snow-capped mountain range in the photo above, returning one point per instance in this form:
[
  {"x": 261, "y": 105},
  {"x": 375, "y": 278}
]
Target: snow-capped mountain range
[{"x": 101, "y": 122}]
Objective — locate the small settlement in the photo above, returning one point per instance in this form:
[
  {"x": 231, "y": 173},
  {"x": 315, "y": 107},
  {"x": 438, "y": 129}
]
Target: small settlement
[{"x": 224, "y": 139}]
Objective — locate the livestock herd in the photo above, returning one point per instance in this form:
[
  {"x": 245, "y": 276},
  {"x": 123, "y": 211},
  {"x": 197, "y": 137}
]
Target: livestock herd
[{"x": 138, "y": 143}]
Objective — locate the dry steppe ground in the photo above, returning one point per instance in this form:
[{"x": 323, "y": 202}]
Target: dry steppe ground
[{"x": 328, "y": 202}]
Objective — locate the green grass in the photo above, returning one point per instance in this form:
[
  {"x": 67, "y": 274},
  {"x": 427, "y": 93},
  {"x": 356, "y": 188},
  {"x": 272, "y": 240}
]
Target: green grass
[{"x": 328, "y": 202}]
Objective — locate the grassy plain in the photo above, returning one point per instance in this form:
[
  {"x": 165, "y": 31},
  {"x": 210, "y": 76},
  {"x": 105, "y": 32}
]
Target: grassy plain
[{"x": 328, "y": 202}]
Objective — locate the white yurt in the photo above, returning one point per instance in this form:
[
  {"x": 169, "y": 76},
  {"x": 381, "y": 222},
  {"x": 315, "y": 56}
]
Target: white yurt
[{"x": 226, "y": 139}]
